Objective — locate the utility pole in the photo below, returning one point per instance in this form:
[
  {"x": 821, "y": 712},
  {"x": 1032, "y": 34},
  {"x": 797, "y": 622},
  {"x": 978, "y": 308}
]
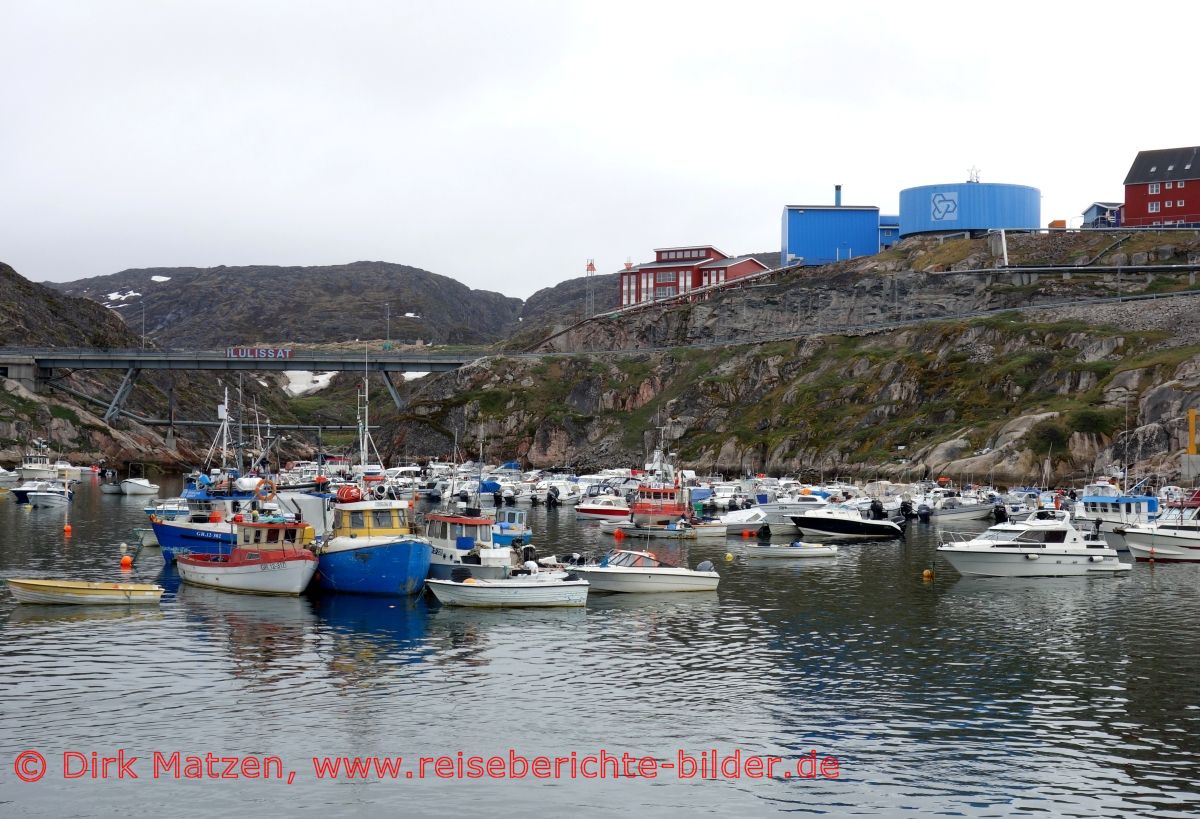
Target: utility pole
[
  {"x": 143, "y": 323},
  {"x": 388, "y": 343}
]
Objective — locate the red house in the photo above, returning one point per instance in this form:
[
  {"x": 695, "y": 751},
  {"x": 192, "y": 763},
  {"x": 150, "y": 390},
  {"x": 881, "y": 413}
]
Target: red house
[
  {"x": 1163, "y": 188},
  {"x": 679, "y": 270}
]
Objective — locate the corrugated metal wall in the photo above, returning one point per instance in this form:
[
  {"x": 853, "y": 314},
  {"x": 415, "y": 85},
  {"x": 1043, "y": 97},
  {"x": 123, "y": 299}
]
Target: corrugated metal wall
[
  {"x": 969, "y": 206},
  {"x": 824, "y": 235}
]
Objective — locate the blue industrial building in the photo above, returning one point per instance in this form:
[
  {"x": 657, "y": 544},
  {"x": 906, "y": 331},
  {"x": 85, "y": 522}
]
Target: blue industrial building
[
  {"x": 889, "y": 231},
  {"x": 969, "y": 207},
  {"x": 821, "y": 234}
]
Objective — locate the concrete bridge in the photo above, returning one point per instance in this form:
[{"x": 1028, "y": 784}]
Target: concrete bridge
[{"x": 33, "y": 367}]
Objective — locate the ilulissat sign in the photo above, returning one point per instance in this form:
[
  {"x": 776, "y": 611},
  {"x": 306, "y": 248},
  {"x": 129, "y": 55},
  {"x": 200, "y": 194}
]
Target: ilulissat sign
[{"x": 276, "y": 353}]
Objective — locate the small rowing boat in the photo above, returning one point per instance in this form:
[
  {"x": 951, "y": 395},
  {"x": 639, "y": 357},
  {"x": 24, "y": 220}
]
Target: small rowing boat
[
  {"x": 797, "y": 549},
  {"x": 78, "y": 592}
]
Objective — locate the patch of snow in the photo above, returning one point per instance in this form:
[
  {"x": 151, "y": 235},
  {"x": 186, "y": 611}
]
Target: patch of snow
[
  {"x": 303, "y": 382},
  {"x": 411, "y": 315},
  {"x": 263, "y": 383},
  {"x": 119, "y": 296},
  {"x": 411, "y": 376},
  {"x": 160, "y": 278}
]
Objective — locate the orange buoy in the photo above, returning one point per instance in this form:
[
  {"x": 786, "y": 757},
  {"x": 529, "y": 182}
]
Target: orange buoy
[
  {"x": 215, "y": 517},
  {"x": 927, "y": 574},
  {"x": 619, "y": 534},
  {"x": 747, "y": 533},
  {"x": 67, "y": 529},
  {"x": 126, "y": 561}
]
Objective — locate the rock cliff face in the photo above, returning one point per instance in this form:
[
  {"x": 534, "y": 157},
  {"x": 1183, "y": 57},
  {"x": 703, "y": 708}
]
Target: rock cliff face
[{"x": 1003, "y": 398}]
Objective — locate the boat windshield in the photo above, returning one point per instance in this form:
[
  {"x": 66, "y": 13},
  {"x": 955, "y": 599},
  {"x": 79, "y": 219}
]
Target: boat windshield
[{"x": 634, "y": 560}]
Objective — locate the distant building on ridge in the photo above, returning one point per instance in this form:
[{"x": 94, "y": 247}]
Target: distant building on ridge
[
  {"x": 822, "y": 234},
  {"x": 679, "y": 270},
  {"x": 1157, "y": 190}
]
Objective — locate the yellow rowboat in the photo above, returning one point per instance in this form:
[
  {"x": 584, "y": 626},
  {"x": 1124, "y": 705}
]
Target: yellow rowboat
[{"x": 77, "y": 592}]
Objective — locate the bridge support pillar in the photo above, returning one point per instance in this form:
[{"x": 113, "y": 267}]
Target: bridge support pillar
[
  {"x": 391, "y": 388},
  {"x": 122, "y": 394}
]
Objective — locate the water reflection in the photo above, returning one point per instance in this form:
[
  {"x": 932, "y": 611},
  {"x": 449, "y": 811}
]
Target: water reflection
[{"x": 366, "y": 637}]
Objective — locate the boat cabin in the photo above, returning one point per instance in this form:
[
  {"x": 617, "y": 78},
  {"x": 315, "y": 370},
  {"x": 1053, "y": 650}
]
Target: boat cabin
[
  {"x": 459, "y": 530},
  {"x": 633, "y": 560},
  {"x": 370, "y": 518},
  {"x": 264, "y": 536},
  {"x": 512, "y": 519}
]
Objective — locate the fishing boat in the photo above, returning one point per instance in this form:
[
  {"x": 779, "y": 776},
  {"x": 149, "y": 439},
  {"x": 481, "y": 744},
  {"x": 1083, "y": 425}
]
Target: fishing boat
[
  {"x": 1116, "y": 510},
  {"x": 465, "y": 539},
  {"x": 660, "y": 499},
  {"x": 75, "y": 592},
  {"x": 511, "y": 528},
  {"x": 373, "y": 548},
  {"x": 269, "y": 558},
  {"x": 36, "y": 466},
  {"x": 602, "y": 507},
  {"x": 792, "y": 550},
  {"x": 1044, "y": 544},
  {"x": 528, "y": 591},
  {"x": 111, "y": 487},
  {"x": 624, "y": 570}
]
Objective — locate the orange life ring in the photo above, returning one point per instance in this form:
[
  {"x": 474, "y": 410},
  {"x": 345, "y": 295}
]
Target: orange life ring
[
  {"x": 264, "y": 491},
  {"x": 348, "y": 494}
]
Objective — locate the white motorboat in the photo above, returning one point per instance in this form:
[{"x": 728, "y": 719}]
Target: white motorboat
[
  {"x": 837, "y": 521},
  {"x": 111, "y": 488},
  {"x": 1117, "y": 510},
  {"x": 602, "y": 507},
  {"x": 942, "y": 505},
  {"x": 629, "y": 571},
  {"x": 138, "y": 486},
  {"x": 1045, "y": 544},
  {"x": 792, "y": 550},
  {"x": 1173, "y": 538},
  {"x": 529, "y": 591},
  {"x": 67, "y": 471},
  {"x": 8, "y": 477},
  {"x": 50, "y": 493}
]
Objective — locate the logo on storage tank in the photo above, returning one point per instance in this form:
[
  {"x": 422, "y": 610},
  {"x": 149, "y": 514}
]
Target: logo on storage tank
[{"x": 944, "y": 207}]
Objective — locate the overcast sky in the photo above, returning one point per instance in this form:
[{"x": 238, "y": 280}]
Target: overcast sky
[{"x": 505, "y": 143}]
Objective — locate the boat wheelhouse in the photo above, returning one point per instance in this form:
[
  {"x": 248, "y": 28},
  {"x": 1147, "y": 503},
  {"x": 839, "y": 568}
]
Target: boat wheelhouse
[{"x": 466, "y": 540}]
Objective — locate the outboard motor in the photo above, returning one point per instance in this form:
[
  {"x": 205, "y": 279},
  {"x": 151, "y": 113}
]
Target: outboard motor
[
  {"x": 528, "y": 553},
  {"x": 552, "y": 496},
  {"x": 877, "y": 512},
  {"x": 924, "y": 513},
  {"x": 463, "y": 496},
  {"x": 900, "y": 521},
  {"x": 764, "y": 532},
  {"x": 1000, "y": 513},
  {"x": 497, "y": 498},
  {"x": 906, "y": 510}
]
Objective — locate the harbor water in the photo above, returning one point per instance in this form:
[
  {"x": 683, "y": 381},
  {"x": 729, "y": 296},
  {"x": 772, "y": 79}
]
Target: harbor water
[{"x": 970, "y": 697}]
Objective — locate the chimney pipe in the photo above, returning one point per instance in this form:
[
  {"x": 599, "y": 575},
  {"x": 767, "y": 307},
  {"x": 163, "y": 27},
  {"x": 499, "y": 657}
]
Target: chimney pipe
[{"x": 837, "y": 196}]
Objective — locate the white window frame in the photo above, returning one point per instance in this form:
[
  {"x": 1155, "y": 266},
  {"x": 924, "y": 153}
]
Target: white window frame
[
  {"x": 1152, "y": 188},
  {"x": 1179, "y": 203},
  {"x": 1153, "y": 207},
  {"x": 1179, "y": 184},
  {"x": 1168, "y": 185},
  {"x": 1169, "y": 203}
]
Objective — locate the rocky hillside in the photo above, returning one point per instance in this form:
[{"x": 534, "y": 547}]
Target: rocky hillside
[
  {"x": 565, "y": 301},
  {"x": 917, "y": 279},
  {"x": 205, "y": 308},
  {"x": 989, "y": 399},
  {"x": 34, "y": 315}
]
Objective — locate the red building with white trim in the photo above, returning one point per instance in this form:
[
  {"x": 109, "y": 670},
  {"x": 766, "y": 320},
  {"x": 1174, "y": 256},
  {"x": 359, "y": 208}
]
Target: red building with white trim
[
  {"x": 1163, "y": 188},
  {"x": 679, "y": 270}
]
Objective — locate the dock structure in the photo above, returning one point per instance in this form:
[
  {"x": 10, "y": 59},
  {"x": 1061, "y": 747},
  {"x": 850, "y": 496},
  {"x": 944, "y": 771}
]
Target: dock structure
[{"x": 33, "y": 367}]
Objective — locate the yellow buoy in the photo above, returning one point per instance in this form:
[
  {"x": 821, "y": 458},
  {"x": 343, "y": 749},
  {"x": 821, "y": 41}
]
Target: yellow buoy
[
  {"x": 728, "y": 556},
  {"x": 927, "y": 574},
  {"x": 127, "y": 561}
]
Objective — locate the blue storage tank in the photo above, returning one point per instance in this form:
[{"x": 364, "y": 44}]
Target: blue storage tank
[{"x": 969, "y": 206}]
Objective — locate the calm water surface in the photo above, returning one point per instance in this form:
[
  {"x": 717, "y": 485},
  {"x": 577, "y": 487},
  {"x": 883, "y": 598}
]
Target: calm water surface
[{"x": 1073, "y": 697}]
